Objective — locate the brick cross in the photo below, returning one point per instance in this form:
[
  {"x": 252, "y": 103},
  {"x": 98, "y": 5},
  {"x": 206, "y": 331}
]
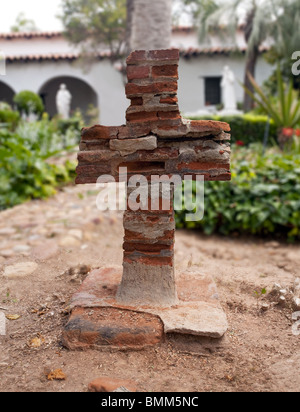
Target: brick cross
[{"x": 154, "y": 141}]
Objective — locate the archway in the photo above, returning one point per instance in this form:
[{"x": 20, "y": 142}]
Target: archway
[
  {"x": 6, "y": 93},
  {"x": 82, "y": 94}
]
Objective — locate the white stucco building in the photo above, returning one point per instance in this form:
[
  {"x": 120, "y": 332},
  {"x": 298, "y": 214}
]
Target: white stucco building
[{"x": 40, "y": 62}]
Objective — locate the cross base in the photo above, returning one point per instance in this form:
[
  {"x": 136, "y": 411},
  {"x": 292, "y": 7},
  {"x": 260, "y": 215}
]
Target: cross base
[{"x": 99, "y": 321}]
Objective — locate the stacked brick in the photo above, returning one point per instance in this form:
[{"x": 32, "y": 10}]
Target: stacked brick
[
  {"x": 154, "y": 141},
  {"x": 148, "y": 265}
]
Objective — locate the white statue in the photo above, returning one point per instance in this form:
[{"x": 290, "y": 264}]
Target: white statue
[
  {"x": 63, "y": 102},
  {"x": 228, "y": 87}
]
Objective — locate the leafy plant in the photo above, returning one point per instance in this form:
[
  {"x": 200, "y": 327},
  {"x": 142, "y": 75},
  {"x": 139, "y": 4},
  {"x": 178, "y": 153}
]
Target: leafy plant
[
  {"x": 23, "y": 24},
  {"x": 263, "y": 198},
  {"x": 285, "y": 110},
  {"x": 26, "y": 169},
  {"x": 9, "y": 117},
  {"x": 259, "y": 295},
  {"x": 28, "y": 102},
  {"x": 91, "y": 23}
]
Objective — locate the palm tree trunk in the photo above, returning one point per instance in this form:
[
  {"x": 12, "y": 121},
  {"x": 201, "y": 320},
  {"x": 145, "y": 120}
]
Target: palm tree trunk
[
  {"x": 130, "y": 9},
  {"x": 250, "y": 68},
  {"x": 151, "y": 24}
]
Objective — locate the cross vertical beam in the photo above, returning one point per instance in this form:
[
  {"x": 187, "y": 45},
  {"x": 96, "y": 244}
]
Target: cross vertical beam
[
  {"x": 156, "y": 140},
  {"x": 148, "y": 266}
]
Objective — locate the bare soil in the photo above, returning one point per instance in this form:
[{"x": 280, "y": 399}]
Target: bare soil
[{"x": 66, "y": 236}]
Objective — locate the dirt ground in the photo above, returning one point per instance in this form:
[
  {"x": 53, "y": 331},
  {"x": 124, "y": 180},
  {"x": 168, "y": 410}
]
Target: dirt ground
[{"x": 259, "y": 353}]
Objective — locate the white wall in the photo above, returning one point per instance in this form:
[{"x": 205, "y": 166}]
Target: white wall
[{"x": 192, "y": 72}]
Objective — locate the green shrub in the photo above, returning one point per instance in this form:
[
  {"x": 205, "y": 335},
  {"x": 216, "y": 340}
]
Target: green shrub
[
  {"x": 9, "y": 118},
  {"x": 28, "y": 102},
  {"x": 25, "y": 172},
  {"x": 75, "y": 123},
  {"x": 45, "y": 137},
  {"x": 248, "y": 128},
  {"x": 262, "y": 199}
]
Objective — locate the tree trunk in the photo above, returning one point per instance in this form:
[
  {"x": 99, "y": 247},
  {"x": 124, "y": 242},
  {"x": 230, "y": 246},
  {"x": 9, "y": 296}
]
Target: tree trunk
[
  {"x": 130, "y": 9},
  {"x": 250, "y": 68},
  {"x": 151, "y": 24}
]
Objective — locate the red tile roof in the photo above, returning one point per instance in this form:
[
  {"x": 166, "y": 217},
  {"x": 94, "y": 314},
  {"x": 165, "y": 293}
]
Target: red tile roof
[
  {"x": 31, "y": 35},
  {"x": 184, "y": 52},
  {"x": 51, "y": 57}
]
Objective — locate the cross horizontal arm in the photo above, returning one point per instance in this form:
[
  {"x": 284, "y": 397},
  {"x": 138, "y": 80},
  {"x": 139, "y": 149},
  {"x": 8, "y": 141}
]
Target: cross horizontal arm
[{"x": 156, "y": 140}]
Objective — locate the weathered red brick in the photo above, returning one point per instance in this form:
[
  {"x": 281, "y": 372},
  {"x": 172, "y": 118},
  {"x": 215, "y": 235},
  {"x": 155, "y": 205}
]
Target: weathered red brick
[
  {"x": 133, "y": 90},
  {"x": 141, "y": 117},
  {"x": 82, "y": 180},
  {"x": 95, "y": 156},
  {"x": 138, "y": 72},
  {"x": 118, "y": 328},
  {"x": 137, "y": 101},
  {"x": 167, "y": 153},
  {"x": 169, "y": 115},
  {"x": 133, "y": 130},
  {"x": 93, "y": 169},
  {"x": 201, "y": 166},
  {"x": 168, "y": 130},
  {"x": 137, "y": 57},
  {"x": 167, "y": 239},
  {"x": 145, "y": 247},
  {"x": 99, "y": 132},
  {"x": 169, "y": 100},
  {"x": 208, "y": 125},
  {"x": 165, "y": 71}
]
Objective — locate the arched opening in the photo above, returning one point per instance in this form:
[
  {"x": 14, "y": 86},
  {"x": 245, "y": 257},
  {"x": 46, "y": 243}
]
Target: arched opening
[
  {"x": 83, "y": 96},
  {"x": 6, "y": 93}
]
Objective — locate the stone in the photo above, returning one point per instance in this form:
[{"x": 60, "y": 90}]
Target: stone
[
  {"x": 265, "y": 307},
  {"x": 273, "y": 245},
  {"x": 45, "y": 251},
  {"x": 22, "y": 249},
  {"x": 296, "y": 304},
  {"x": 7, "y": 253},
  {"x": 111, "y": 385},
  {"x": 2, "y": 324},
  {"x": 297, "y": 287},
  {"x": 20, "y": 270},
  {"x": 277, "y": 287},
  {"x": 7, "y": 231},
  {"x": 76, "y": 233},
  {"x": 69, "y": 241},
  {"x": 129, "y": 146},
  {"x": 282, "y": 301},
  {"x": 122, "y": 389}
]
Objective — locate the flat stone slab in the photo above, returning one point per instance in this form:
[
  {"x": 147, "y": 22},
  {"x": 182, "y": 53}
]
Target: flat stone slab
[
  {"x": 198, "y": 312},
  {"x": 20, "y": 270}
]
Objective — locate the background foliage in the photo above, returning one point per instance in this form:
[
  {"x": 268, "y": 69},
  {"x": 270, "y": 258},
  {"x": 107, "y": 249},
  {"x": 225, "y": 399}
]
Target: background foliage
[
  {"x": 262, "y": 199},
  {"x": 27, "y": 171}
]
